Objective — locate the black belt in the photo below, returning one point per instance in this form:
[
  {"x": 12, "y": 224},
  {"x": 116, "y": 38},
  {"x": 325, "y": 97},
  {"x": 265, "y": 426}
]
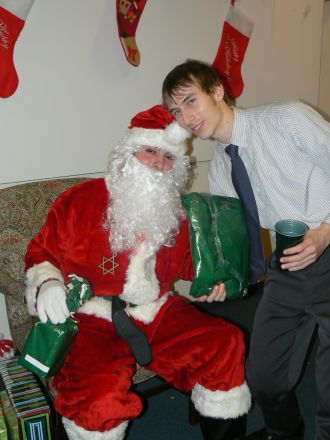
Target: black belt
[
  {"x": 126, "y": 329},
  {"x": 126, "y": 304}
]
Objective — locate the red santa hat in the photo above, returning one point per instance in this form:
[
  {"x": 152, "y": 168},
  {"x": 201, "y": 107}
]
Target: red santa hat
[{"x": 156, "y": 127}]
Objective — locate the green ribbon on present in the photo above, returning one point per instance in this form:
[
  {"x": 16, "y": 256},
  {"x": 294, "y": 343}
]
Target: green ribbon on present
[
  {"x": 219, "y": 244},
  {"x": 47, "y": 344}
]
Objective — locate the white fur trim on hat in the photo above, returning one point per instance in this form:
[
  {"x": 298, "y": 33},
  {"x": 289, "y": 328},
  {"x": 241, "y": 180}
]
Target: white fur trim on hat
[
  {"x": 172, "y": 139},
  {"x": 222, "y": 404}
]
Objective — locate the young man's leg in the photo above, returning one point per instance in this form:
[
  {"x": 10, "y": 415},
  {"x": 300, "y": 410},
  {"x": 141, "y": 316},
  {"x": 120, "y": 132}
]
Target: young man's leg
[
  {"x": 281, "y": 336},
  {"x": 320, "y": 307}
]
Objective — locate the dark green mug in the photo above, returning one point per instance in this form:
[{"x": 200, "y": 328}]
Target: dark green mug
[{"x": 289, "y": 233}]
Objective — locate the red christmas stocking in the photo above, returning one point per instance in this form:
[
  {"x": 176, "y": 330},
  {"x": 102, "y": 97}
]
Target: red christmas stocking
[
  {"x": 128, "y": 17},
  {"x": 236, "y": 33},
  {"x": 12, "y": 19}
]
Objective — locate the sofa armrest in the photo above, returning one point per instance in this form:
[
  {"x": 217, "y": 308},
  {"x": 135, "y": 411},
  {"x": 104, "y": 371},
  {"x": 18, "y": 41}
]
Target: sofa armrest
[{"x": 17, "y": 313}]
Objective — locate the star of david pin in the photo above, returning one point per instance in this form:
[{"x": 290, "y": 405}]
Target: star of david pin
[{"x": 106, "y": 262}]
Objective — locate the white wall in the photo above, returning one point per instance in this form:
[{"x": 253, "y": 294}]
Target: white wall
[
  {"x": 77, "y": 92},
  {"x": 324, "y": 97},
  {"x": 4, "y": 327}
]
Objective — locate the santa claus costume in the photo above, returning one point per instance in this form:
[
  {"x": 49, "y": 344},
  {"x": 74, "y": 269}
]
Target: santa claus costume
[{"x": 99, "y": 231}]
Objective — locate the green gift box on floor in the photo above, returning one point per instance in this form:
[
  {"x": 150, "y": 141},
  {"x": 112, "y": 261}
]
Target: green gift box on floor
[
  {"x": 219, "y": 243},
  {"x": 10, "y": 418},
  {"x": 48, "y": 344},
  {"x": 25, "y": 408},
  {"x": 3, "y": 426}
]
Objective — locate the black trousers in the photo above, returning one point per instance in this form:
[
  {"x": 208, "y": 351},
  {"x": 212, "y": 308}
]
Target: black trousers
[{"x": 292, "y": 304}]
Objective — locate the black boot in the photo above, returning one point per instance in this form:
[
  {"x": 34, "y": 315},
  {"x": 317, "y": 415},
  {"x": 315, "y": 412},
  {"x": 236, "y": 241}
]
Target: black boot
[{"x": 223, "y": 429}]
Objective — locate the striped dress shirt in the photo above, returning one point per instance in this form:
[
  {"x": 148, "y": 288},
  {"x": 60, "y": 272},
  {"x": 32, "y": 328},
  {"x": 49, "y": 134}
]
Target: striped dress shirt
[{"x": 286, "y": 150}]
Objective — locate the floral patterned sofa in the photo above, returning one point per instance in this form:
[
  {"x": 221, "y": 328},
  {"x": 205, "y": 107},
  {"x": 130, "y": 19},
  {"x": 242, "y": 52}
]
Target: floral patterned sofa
[{"x": 23, "y": 209}]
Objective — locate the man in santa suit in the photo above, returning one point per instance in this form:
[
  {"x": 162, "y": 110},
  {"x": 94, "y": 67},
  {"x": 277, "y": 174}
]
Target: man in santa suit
[{"x": 128, "y": 236}]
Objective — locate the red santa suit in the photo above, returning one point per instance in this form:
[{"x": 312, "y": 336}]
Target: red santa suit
[{"x": 191, "y": 350}]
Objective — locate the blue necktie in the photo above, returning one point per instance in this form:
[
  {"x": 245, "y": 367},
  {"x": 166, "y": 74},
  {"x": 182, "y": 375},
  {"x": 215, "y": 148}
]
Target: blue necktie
[{"x": 244, "y": 190}]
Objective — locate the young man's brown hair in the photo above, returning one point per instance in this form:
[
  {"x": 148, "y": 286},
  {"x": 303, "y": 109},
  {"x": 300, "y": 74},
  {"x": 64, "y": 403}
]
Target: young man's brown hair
[{"x": 187, "y": 73}]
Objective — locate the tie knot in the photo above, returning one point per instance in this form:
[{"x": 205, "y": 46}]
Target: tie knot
[{"x": 232, "y": 150}]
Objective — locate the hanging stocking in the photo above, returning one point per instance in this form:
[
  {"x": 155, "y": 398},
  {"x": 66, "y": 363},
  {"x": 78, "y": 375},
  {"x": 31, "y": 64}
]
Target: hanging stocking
[
  {"x": 13, "y": 14},
  {"x": 236, "y": 33},
  {"x": 128, "y": 17}
]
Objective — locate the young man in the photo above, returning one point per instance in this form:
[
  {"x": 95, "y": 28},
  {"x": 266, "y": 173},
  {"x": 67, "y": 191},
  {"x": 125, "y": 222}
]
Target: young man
[
  {"x": 285, "y": 148},
  {"x": 128, "y": 236}
]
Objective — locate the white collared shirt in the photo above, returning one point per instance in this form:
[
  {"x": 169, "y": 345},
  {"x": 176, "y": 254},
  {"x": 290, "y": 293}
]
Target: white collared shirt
[{"x": 286, "y": 150}]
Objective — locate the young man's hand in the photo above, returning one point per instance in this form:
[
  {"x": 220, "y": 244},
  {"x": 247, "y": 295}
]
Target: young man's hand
[
  {"x": 218, "y": 294},
  {"x": 305, "y": 253}
]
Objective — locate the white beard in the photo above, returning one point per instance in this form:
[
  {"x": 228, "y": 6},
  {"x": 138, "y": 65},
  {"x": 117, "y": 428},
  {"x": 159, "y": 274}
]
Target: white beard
[{"x": 145, "y": 205}]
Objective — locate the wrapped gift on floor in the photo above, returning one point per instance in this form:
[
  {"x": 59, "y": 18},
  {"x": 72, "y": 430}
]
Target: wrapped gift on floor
[
  {"x": 10, "y": 417},
  {"x": 26, "y": 411},
  {"x": 3, "y": 427}
]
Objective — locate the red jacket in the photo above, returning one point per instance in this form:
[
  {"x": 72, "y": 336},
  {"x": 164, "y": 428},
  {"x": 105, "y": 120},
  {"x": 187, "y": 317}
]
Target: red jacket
[{"x": 75, "y": 240}]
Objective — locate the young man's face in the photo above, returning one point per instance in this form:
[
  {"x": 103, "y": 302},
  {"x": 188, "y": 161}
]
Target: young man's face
[
  {"x": 156, "y": 158},
  {"x": 197, "y": 111}
]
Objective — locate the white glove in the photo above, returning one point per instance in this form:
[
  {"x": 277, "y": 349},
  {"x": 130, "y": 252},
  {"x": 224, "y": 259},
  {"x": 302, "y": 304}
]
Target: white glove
[{"x": 51, "y": 302}]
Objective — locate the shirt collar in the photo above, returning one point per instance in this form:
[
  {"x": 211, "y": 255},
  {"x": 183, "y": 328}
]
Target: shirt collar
[{"x": 238, "y": 134}]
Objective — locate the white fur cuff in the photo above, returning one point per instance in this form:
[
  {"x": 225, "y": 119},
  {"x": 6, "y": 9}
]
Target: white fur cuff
[
  {"x": 76, "y": 432},
  {"x": 222, "y": 404},
  {"x": 34, "y": 277}
]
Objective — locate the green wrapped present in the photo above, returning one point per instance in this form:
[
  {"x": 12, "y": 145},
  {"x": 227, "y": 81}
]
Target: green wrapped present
[
  {"x": 48, "y": 344},
  {"x": 3, "y": 427},
  {"x": 219, "y": 243},
  {"x": 10, "y": 420},
  {"x": 26, "y": 410}
]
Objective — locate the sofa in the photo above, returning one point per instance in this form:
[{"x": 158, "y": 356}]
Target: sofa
[{"x": 23, "y": 209}]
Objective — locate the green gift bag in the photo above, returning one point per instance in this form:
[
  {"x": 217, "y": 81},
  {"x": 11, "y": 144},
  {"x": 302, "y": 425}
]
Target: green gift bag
[
  {"x": 219, "y": 243},
  {"x": 48, "y": 344}
]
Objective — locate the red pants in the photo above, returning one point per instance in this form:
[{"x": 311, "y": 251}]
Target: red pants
[{"x": 188, "y": 346}]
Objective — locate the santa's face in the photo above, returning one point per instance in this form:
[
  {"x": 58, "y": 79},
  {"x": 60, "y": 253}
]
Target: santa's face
[
  {"x": 145, "y": 199},
  {"x": 156, "y": 158}
]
